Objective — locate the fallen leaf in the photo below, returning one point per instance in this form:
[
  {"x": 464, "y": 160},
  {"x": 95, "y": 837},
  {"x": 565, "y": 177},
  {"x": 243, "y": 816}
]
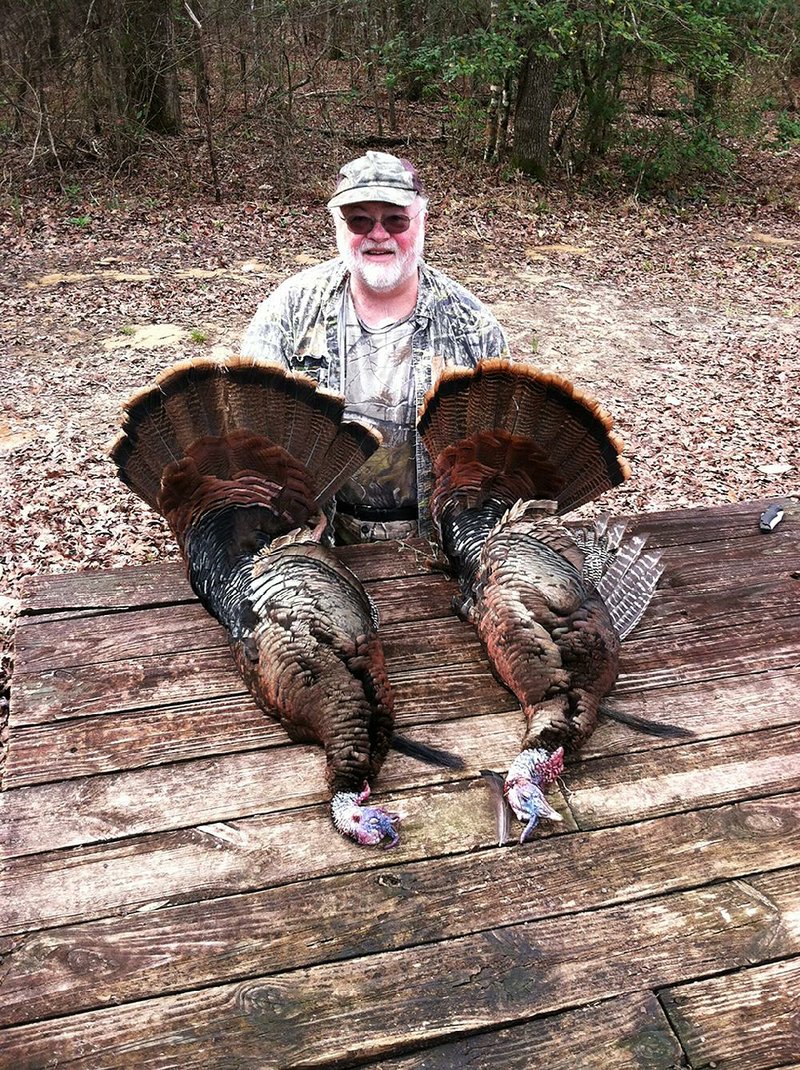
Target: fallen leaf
[{"x": 774, "y": 469}]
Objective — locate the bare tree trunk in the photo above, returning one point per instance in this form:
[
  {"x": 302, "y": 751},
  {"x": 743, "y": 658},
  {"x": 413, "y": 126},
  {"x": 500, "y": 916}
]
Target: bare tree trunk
[
  {"x": 92, "y": 96},
  {"x": 492, "y": 124},
  {"x": 492, "y": 114},
  {"x": 392, "y": 106},
  {"x": 410, "y": 16},
  {"x": 150, "y": 66},
  {"x": 203, "y": 76},
  {"x": 372, "y": 33},
  {"x": 505, "y": 114},
  {"x": 532, "y": 115}
]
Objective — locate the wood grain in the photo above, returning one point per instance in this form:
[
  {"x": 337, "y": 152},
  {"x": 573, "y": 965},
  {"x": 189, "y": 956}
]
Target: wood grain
[
  {"x": 132, "y": 739},
  {"x": 600, "y": 792},
  {"x": 173, "y": 895},
  {"x": 50, "y": 816},
  {"x": 369, "y": 1006},
  {"x": 163, "y": 582},
  {"x": 609, "y": 790},
  {"x": 708, "y": 708},
  {"x": 748, "y": 1020},
  {"x": 174, "y": 948},
  {"x": 629, "y": 1033},
  {"x": 228, "y": 857},
  {"x": 147, "y": 678}
]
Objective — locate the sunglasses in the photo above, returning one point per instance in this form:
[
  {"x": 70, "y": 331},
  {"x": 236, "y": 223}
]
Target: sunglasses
[{"x": 395, "y": 223}]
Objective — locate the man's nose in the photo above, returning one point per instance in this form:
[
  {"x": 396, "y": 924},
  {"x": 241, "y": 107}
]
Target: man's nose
[{"x": 379, "y": 232}]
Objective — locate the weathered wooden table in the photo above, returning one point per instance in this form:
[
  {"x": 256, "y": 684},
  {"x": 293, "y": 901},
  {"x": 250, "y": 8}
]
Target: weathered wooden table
[{"x": 173, "y": 894}]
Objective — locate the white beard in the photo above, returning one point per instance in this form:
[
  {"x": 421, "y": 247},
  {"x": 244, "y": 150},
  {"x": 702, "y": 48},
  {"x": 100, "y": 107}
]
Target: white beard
[{"x": 379, "y": 276}]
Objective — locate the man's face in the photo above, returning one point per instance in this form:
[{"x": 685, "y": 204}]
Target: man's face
[{"x": 379, "y": 259}]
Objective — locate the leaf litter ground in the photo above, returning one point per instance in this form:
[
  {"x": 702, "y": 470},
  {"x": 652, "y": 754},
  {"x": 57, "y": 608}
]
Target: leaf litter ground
[{"x": 683, "y": 322}]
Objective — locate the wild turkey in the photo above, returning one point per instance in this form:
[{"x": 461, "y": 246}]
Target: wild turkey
[
  {"x": 239, "y": 459},
  {"x": 513, "y": 448}
]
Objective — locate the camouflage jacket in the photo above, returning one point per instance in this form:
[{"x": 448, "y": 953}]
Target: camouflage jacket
[{"x": 297, "y": 326}]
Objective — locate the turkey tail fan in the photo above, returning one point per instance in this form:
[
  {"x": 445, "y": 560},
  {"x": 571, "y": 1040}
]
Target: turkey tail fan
[
  {"x": 354, "y": 443},
  {"x": 234, "y": 409},
  {"x": 137, "y": 468},
  {"x": 566, "y": 430},
  {"x": 236, "y": 456}
]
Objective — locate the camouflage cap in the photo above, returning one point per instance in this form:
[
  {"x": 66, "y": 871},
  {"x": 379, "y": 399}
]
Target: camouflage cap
[{"x": 378, "y": 176}]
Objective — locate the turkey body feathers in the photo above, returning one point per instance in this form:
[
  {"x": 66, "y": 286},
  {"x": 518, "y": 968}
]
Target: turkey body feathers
[
  {"x": 239, "y": 459},
  {"x": 547, "y": 632},
  {"x": 314, "y": 656}
]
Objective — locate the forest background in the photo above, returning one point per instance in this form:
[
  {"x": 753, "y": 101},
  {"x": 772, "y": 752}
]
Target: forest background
[{"x": 617, "y": 179}]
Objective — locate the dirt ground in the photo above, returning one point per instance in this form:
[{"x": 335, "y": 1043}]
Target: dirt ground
[{"x": 682, "y": 321}]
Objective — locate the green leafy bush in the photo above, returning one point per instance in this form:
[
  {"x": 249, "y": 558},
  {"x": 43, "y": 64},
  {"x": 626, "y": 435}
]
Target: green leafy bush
[
  {"x": 669, "y": 155},
  {"x": 787, "y": 130}
]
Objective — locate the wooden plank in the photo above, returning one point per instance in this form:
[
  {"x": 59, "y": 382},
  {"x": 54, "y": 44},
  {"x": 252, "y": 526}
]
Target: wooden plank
[
  {"x": 700, "y": 537},
  {"x": 146, "y": 679},
  {"x": 694, "y": 572},
  {"x": 609, "y": 790},
  {"x": 46, "y": 644},
  {"x": 183, "y": 654},
  {"x": 129, "y": 684},
  {"x": 395, "y": 560},
  {"x": 157, "y": 582},
  {"x": 710, "y": 709},
  {"x": 704, "y": 524},
  {"x": 177, "y": 948},
  {"x": 601, "y": 792},
  {"x": 748, "y": 1020},
  {"x": 747, "y": 602},
  {"x": 57, "y": 661},
  {"x": 47, "y": 817},
  {"x": 39, "y": 754},
  {"x": 368, "y": 1007},
  {"x": 700, "y": 655},
  {"x": 707, "y": 707},
  {"x": 629, "y": 1033},
  {"x": 676, "y": 620},
  {"x": 712, "y": 568},
  {"x": 225, "y": 858},
  {"x": 130, "y": 739},
  {"x": 165, "y": 580},
  {"x": 83, "y": 747}
]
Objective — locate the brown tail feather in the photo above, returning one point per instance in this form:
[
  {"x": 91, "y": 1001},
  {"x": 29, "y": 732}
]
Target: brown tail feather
[
  {"x": 136, "y": 469},
  {"x": 353, "y": 444},
  {"x": 211, "y": 436},
  {"x": 236, "y": 469},
  {"x": 571, "y": 448},
  {"x": 492, "y": 464}
]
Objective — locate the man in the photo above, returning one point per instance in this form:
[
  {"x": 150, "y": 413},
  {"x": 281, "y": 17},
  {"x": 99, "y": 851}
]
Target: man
[{"x": 377, "y": 324}]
